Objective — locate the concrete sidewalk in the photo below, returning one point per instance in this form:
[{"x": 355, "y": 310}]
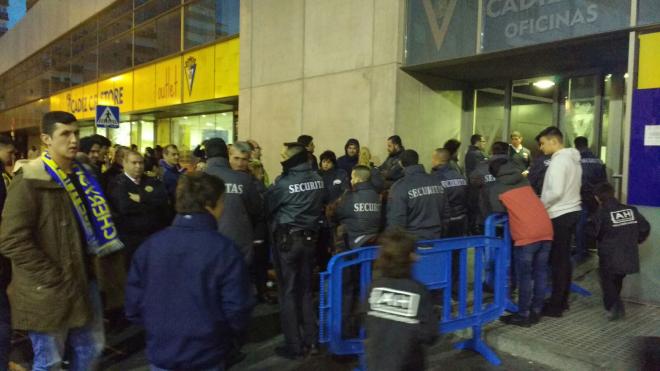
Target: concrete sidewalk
[{"x": 583, "y": 339}]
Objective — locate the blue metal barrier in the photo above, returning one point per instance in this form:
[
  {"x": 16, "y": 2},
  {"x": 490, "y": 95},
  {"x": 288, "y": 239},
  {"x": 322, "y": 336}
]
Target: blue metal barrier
[{"x": 433, "y": 269}]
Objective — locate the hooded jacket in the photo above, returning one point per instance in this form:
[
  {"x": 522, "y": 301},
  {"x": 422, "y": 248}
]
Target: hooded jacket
[
  {"x": 562, "y": 182},
  {"x": 391, "y": 168},
  {"x": 418, "y": 203},
  {"x": 346, "y": 162},
  {"x": 336, "y": 183},
  {"x": 456, "y": 186},
  {"x": 480, "y": 180},
  {"x": 537, "y": 172},
  {"x": 243, "y": 205},
  {"x": 528, "y": 218},
  {"x": 359, "y": 211},
  {"x": 593, "y": 172},
  {"x": 296, "y": 198}
]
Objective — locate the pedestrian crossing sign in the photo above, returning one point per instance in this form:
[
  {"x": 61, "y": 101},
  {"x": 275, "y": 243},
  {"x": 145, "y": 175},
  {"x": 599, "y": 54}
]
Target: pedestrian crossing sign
[{"x": 107, "y": 117}]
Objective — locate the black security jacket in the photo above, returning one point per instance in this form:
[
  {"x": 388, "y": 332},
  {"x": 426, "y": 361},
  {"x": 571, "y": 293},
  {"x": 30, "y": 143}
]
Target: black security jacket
[
  {"x": 418, "y": 203},
  {"x": 456, "y": 187},
  {"x": 296, "y": 198},
  {"x": 619, "y": 229},
  {"x": 359, "y": 211}
]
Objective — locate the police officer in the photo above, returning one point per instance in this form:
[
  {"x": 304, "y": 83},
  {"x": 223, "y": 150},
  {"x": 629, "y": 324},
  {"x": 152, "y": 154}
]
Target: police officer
[
  {"x": 360, "y": 213},
  {"x": 140, "y": 203},
  {"x": 417, "y": 202},
  {"x": 243, "y": 203},
  {"x": 294, "y": 204},
  {"x": 455, "y": 185}
]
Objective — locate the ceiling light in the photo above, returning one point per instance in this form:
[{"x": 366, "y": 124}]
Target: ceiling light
[
  {"x": 544, "y": 84},
  {"x": 203, "y": 115},
  {"x": 185, "y": 117},
  {"x": 625, "y": 76}
]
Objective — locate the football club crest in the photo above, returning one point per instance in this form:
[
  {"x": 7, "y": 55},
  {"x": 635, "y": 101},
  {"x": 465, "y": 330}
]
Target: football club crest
[{"x": 190, "y": 67}]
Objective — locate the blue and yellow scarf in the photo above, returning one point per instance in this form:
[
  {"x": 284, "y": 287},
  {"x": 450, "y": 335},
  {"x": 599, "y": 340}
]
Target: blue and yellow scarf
[{"x": 100, "y": 232}]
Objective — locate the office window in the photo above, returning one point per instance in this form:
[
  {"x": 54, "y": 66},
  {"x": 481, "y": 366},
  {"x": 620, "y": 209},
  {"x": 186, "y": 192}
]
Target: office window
[
  {"x": 152, "y": 9},
  {"x": 85, "y": 67},
  {"x": 84, "y": 37},
  {"x": 116, "y": 27},
  {"x": 158, "y": 38},
  {"x": 207, "y": 20},
  {"x": 115, "y": 55}
]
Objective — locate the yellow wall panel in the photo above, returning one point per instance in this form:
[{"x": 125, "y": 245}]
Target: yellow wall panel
[
  {"x": 198, "y": 75},
  {"x": 226, "y": 68},
  {"x": 117, "y": 91},
  {"x": 144, "y": 88},
  {"x": 649, "y": 59},
  {"x": 168, "y": 82}
]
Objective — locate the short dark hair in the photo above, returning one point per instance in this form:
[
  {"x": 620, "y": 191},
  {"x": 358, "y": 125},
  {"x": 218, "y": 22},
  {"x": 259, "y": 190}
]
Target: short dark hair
[
  {"x": 499, "y": 148},
  {"x": 604, "y": 191},
  {"x": 452, "y": 145},
  {"x": 409, "y": 157},
  {"x": 305, "y": 140},
  {"x": 87, "y": 143},
  {"x": 216, "y": 147},
  {"x": 363, "y": 173},
  {"x": 50, "y": 119},
  {"x": 581, "y": 142},
  {"x": 550, "y": 131},
  {"x": 395, "y": 139},
  {"x": 475, "y": 138},
  {"x": 101, "y": 140},
  {"x": 5, "y": 140},
  {"x": 328, "y": 155},
  {"x": 169, "y": 147},
  {"x": 495, "y": 165},
  {"x": 396, "y": 246},
  {"x": 197, "y": 190}
]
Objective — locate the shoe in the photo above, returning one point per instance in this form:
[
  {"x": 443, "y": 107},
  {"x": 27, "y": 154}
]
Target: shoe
[
  {"x": 516, "y": 320},
  {"x": 284, "y": 352},
  {"x": 534, "y": 317},
  {"x": 549, "y": 311}
]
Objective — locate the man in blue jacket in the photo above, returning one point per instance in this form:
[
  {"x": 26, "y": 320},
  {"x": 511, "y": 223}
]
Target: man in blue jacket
[{"x": 188, "y": 284}]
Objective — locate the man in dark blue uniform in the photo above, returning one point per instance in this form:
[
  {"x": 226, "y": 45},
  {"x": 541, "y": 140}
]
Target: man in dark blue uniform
[
  {"x": 455, "y": 185},
  {"x": 294, "y": 203},
  {"x": 418, "y": 201},
  {"x": 475, "y": 153}
]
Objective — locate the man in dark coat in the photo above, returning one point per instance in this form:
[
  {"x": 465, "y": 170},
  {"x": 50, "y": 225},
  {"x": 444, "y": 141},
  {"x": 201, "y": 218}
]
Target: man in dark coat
[
  {"x": 475, "y": 153},
  {"x": 7, "y": 150},
  {"x": 520, "y": 155},
  {"x": 294, "y": 204},
  {"x": 456, "y": 186},
  {"x": 172, "y": 170},
  {"x": 351, "y": 155},
  {"x": 243, "y": 203},
  {"x": 140, "y": 204},
  {"x": 188, "y": 285},
  {"x": 307, "y": 141},
  {"x": 418, "y": 201},
  {"x": 336, "y": 182},
  {"x": 391, "y": 167}
]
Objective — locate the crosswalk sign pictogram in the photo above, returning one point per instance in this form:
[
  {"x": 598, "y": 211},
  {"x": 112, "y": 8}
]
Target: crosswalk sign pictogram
[{"x": 107, "y": 117}]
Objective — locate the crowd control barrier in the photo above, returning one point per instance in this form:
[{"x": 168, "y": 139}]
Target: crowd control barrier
[{"x": 491, "y": 257}]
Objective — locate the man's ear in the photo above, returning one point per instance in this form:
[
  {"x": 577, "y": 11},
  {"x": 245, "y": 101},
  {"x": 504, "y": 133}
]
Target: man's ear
[{"x": 46, "y": 139}]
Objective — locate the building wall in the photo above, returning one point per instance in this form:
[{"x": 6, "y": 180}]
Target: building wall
[
  {"x": 330, "y": 69},
  {"x": 44, "y": 23}
]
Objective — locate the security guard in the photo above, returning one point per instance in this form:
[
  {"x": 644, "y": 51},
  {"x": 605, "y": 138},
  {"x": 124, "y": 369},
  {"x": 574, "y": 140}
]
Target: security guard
[
  {"x": 480, "y": 180},
  {"x": 140, "y": 203},
  {"x": 243, "y": 203},
  {"x": 360, "y": 213},
  {"x": 418, "y": 201},
  {"x": 455, "y": 185},
  {"x": 520, "y": 156},
  {"x": 294, "y": 204}
]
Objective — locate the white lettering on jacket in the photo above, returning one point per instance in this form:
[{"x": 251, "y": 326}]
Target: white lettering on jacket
[
  {"x": 360, "y": 207},
  {"x": 234, "y": 188},
  {"x": 425, "y": 191},
  {"x": 305, "y": 187}
]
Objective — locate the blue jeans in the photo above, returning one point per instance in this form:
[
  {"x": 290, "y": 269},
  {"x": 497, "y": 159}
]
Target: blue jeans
[
  {"x": 532, "y": 274},
  {"x": 86, "y": 342}
]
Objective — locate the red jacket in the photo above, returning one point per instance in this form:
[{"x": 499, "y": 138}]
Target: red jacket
[{"x": 528, "y": 219}]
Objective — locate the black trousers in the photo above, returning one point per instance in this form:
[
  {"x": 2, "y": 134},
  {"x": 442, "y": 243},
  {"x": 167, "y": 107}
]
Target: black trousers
[
  {"x": 294, "y": 257},
  {"x": 260, "y": 267},
  {"x": 560, "y": 259},
  {"x": 611, "y": 284},
  {"x": 456, "y": 228}
]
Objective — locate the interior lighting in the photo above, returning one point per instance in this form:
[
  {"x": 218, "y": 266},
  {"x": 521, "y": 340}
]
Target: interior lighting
[
  {"x": 224, "y": 113},
  {"x": 203, "y": 115},
  {"x": 185, "y": 117},
  {"x": 625, "y": 76},
  {"x": 544, "y": 84}
]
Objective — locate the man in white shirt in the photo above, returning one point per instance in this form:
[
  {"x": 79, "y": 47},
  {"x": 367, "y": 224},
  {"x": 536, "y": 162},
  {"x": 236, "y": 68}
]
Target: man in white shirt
[{"x": 561, "y": 197}]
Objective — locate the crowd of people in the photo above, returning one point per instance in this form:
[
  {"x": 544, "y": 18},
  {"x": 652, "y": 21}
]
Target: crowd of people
[{"x": 92, "y": 230}]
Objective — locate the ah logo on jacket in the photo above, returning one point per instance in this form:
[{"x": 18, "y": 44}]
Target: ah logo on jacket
[
  {"x": 622, "y": 217},
  {"x": 394, "y": 305}
]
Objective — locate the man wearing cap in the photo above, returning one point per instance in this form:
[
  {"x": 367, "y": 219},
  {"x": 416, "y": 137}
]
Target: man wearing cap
[
  {"x": 243, "y": 203},
  {"x": 294, "y": 204}
]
